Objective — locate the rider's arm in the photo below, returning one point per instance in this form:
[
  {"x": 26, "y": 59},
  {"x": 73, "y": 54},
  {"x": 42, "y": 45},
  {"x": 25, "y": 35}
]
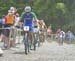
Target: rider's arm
[
  {"x": 34, "y": 15},
  {"x": 21, "y": 17}
]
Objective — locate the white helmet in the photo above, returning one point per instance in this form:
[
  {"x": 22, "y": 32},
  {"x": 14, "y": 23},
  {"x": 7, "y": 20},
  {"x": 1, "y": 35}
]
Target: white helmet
[
  {"x": 10, "y": 12},
  {"x": 27, "y": 9},
  {"x": 12, "y": 8}
]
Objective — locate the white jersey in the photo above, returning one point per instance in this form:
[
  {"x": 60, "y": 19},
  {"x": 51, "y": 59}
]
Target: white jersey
[
  {"x": 17, "y": 19},
  {"x": 62, "y": 34}
]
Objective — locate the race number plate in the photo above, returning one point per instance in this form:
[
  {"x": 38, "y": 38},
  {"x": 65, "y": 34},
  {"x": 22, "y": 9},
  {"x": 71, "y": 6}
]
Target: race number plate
[{"x": 26, "y": 28}]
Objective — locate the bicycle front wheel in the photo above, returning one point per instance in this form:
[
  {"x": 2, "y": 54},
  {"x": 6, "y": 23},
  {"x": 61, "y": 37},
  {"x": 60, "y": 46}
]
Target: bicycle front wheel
[{"x": 26, "y": 43}]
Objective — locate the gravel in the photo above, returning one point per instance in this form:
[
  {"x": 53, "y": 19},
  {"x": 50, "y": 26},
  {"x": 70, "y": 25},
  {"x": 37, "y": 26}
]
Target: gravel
[{"x": 47, "y": 52}]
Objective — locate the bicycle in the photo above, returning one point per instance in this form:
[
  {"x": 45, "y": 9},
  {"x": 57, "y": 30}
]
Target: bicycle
[
  {"x": 41, "y": 36},
  {"x": 36, "y": 37},
  {"x": 26, "y": 39}
]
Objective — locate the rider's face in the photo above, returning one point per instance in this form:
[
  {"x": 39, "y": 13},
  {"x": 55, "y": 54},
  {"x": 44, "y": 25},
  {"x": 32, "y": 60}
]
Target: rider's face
[{"x": 27, "y": 13}]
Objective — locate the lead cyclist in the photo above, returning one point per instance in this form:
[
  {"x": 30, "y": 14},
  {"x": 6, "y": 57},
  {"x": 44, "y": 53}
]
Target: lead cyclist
[{"x": 27, "y": 18}]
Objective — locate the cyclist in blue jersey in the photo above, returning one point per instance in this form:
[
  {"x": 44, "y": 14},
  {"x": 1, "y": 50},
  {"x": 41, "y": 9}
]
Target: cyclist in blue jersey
[{"x": 27, "y": 18}]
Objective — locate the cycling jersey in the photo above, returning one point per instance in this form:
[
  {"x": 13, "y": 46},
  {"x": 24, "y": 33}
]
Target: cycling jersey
[
  {"x": 28, "y": 19},
  {"x": 17, "y": 19},
  {"x": 9, "y": 20},
  {"x": 41, "y": 26}
]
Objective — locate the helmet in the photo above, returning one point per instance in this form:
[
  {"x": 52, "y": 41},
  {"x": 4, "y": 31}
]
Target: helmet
[
  {"x": 27, "y": 9},
  {"x": 10, "y": 12},
  {"x": 12, "y": 8}
]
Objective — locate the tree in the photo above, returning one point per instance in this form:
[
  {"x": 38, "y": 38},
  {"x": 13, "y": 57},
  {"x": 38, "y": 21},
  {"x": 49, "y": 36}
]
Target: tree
[{"x": 58, "y": 13}]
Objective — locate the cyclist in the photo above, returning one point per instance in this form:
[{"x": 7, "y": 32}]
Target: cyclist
[
  {"x": 9, "y": 21},
  {"x": 17, "y": 19},
  {"x": 27, "y": 17},
  {"x": 17, "y": 25},
  {"x": 49, "y": 32},
  {"x": 36, "y": 32},
  {"x": 35, "y": 25},
  {"x": 2, "y": 22},
  {"x": 42, "y": 26}
]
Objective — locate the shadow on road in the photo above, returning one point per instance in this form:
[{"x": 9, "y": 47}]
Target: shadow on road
[{"x": 19, "y": 53}]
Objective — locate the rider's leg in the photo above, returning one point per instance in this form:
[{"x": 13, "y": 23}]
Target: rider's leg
[
  {"x": 13, "y": 36},
  {"x": 31, "y": 36},
  {"x": 6, "y": 39}
]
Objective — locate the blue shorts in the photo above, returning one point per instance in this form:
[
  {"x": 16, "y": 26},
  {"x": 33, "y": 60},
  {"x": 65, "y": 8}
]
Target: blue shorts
[{"x": 30, "y": 26}]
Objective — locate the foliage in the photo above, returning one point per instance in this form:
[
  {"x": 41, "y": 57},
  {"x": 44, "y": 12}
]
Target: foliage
[{"x": 58, "y": 13}]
